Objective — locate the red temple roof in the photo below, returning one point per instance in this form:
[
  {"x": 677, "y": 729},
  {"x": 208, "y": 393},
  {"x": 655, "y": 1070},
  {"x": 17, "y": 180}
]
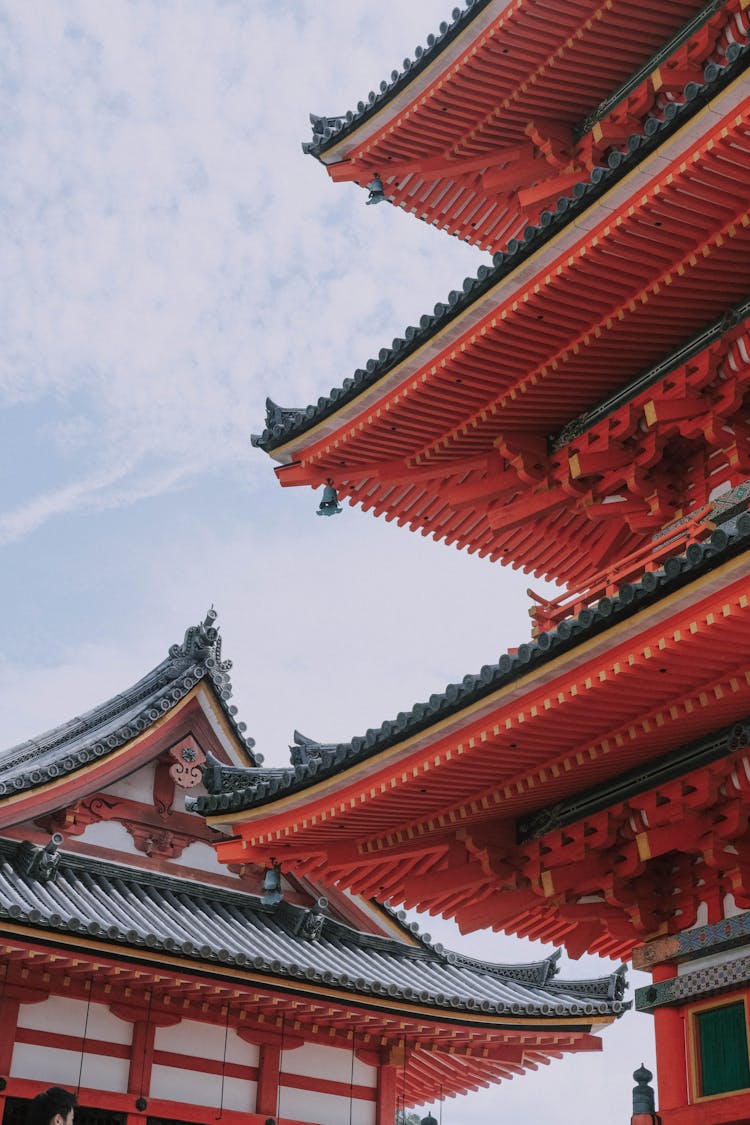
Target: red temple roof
[
  {"x": 512, "y": 104},
  {"x": 80, "y": 918},
  {"x": 444, "y": 787},
  {"x": 451, "y": 433}
]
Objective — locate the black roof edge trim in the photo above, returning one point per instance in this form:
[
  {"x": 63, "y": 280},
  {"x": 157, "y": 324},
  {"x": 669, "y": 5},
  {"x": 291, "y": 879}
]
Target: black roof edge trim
[{"x": 411, "y": 69}]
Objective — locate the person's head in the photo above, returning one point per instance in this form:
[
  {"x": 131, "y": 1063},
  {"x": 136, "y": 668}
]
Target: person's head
[{"x": 54, "y": 1107}]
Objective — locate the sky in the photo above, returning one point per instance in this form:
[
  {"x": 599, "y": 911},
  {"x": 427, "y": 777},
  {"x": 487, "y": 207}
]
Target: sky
[{"x": 169, "y": 259}]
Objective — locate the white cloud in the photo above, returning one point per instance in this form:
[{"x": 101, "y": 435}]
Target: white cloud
[{"x": 173, "y": 256}]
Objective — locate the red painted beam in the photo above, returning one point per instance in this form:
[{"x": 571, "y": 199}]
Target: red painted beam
[{"x": 431, "y": 168}]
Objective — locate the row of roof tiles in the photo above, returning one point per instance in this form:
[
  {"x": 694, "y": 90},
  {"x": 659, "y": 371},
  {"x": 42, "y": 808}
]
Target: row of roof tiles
[
  {"x": 110, "y": 725},
  {"x": 233, "y": 789},
  {"x": 328, "y": 130},
  {"x": 283, "y": 424},
  {"x": 142, "y": 910}
]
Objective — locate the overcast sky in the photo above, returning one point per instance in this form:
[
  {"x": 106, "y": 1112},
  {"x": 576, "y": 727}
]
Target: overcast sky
[{"x": 169, "y": 259}]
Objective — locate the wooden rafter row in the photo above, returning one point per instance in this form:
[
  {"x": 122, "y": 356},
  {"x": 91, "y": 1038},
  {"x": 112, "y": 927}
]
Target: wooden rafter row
[
  {"x": 491, "y": 142},
  {"x": 459, "y": 450}
]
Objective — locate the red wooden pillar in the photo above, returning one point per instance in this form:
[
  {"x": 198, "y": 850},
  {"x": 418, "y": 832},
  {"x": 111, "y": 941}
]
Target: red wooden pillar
[
  {"x": 269, "y": 1066},
  {"x": 144, "y": 1024},
  {"x": 671, "y": 1050},
  {"x": 9, "y": 1008},
  {"x": 141, "y": 1058},
  {"x": 385, "y": 1107}
]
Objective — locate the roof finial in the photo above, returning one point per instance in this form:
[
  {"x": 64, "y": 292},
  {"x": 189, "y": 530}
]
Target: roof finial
[{"x": 643, "y": 1094}]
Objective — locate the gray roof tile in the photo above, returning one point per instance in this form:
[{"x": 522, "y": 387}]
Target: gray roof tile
[
  {"x": 103, "y": 729},
  {"x": 139, "y": 909}
]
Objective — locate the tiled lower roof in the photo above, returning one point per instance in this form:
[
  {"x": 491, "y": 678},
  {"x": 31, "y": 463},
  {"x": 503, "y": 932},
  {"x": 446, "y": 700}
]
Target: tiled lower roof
[
  {"x": 236, "y": 789},
  {"x": 284, "y": 424},
  {"x": 103, "y": 729},
  {"x": 124, "y": 907}
]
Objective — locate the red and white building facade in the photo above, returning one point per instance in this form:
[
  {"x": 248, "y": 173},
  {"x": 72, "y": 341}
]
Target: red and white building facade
[{"x": 162, "y": 985}]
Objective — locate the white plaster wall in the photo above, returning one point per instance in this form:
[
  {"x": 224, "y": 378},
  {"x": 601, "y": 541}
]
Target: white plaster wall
[
  {"x": 62, "y": 1015},
  {"x": 110, "y": 834},
  {"x": 138, "y": 786},
  {"x": 205, "y": 1040},
  {"x": 324, "y": 1109},
  {"x": 198, "y": 1088},
  {"x": 240, "y": 1095},
  {"x": 57, "y": 1067},
  {"x": 203, "y": 857},
  {"x": 335, "y": 1063}
]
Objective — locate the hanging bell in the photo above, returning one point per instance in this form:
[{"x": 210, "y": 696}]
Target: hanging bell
[
  {"x": 272, "y": 892},
  {"x": 428, "y": 1120},
  {"x": 375, "y": 188},
  {"x": 329, "y": 504}
]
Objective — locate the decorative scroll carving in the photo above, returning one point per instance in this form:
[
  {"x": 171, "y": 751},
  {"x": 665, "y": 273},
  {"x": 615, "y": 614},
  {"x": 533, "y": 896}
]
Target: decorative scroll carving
[
  {"x": 75, "y": 819},
  {"x": 188, "y": 758}
]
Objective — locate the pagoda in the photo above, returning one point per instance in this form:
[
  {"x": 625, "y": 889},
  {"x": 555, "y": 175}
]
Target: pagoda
[
  {"x": 164, "y": 987},
  {"x": 579, "y": 410}
]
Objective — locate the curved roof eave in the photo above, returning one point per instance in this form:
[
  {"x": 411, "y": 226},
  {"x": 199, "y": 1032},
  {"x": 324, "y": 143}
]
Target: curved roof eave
[
  {"x": 103, "y": 731},
  {"x": 163, "y": 913},
  {"x": 237, "y": 790},
  {"x": 408, "y": 81},
  {"x": 285, "y": 425}
]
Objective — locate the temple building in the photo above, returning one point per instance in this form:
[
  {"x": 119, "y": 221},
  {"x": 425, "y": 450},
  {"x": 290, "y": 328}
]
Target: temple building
[
  {"x": 163, "y": 986},
  {"x": 579, "y": 410}
]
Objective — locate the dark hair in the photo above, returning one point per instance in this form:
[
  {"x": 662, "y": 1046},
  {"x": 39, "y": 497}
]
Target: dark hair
[{"x": 47, "y": 1105}]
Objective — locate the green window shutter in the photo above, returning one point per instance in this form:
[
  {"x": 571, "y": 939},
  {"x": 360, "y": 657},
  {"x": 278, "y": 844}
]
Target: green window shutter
[{"x": 722, "y": 1046}]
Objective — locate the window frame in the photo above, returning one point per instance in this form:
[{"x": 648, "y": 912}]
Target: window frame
[{"x": 694, "y": 1058}]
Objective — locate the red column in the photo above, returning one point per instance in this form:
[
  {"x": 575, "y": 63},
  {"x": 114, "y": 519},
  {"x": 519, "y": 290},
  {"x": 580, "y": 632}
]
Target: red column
[
  {"x": 267, "y": 1096},
  {"x": 144, "y": 1023},
  {"x": 141, "y": 1058},
  {"x": 385, "y": 1111},
  {"x": 9, "y": 1007},
  {"x": 671, "y": 1050}
]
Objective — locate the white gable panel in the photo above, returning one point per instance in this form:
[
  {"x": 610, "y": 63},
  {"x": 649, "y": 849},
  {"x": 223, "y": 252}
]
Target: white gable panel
[
  {"x": 137, "y": 786},
  {"x": 203, "y": 857},
  {"x": 110, "y": 834}
]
